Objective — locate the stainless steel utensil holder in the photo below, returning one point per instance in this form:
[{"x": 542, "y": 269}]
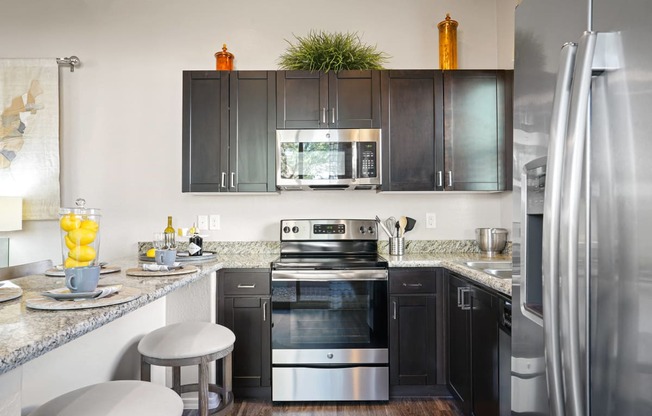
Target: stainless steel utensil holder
[{"x": 396, "y": 246}]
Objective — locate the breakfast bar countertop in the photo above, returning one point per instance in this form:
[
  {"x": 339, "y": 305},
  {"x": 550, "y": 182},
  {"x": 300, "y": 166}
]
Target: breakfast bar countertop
[{"x": 28, "y": 333}]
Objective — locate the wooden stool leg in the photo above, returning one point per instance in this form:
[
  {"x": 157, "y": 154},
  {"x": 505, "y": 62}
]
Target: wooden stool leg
[
  {"x": 203, "y": 388},
  {"x": 145, "y": 370},
  {"x": 226, "y": 376},
  {"x": 176, "y": 379}
]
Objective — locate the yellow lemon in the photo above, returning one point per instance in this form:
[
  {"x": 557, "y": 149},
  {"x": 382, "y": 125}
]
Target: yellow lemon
[
  {"x": 74, "y": 263},
  {"x": 69, "y": 242},
  {"x": 90, "y": 225},
  {"x": 81, "y": 236},
  {"x": 151, "y": 252},
  {"x": 82, "y": 253},
  {"x": 69, "y": 222}
]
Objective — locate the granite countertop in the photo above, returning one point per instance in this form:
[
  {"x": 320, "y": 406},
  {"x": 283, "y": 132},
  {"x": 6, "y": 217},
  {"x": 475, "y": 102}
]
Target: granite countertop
[
  {"x": 28, "y": 333},
  {"x": 455, "y": 262}
]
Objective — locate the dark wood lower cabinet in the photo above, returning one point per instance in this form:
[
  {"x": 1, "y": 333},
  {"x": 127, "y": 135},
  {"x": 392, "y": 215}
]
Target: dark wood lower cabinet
[
  {"x": 244, "y": 306},
  {"x": 415, "y": 332},
  {"x": 473, "y": 347}
]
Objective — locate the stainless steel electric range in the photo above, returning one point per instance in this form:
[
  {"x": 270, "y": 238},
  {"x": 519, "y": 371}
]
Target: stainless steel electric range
[{"x": 329, "y": 313}]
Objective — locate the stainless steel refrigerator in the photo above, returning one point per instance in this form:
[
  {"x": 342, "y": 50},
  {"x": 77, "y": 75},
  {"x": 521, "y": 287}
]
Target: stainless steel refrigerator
[{"x": 582, "y": 286}]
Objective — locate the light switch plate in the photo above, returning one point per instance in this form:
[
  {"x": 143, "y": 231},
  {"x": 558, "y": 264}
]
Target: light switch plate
[
  {"x": 431, "y": 220},
  {"x": 202, "y": 222},
  {"x": 214, "y": 222}
]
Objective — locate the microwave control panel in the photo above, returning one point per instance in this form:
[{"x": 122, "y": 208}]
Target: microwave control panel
[{"x": 367, "y": 157}]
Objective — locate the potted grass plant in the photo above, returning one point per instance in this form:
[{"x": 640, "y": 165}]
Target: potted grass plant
[{"x": 325, "y": 51}]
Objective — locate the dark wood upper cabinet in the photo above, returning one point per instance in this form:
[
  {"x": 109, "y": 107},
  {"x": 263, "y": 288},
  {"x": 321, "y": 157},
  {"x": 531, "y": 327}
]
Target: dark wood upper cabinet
[
  {"x": 228, "y": 131},
  {"x": 344, "y": 99},
  {"x": 412, "y": 123},
  {"x": 446, "y": 130},
  {"x": 252, "y": 139},
  {"x": 477, "y": 130},
  {"x": 205, "y": 130}
]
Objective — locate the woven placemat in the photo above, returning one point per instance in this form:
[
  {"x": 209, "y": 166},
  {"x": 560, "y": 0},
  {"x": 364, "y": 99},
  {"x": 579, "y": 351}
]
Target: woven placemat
[{"x": 137, "y": 271}]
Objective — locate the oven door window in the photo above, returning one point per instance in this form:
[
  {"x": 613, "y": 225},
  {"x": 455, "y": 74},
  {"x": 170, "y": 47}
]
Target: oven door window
[
  {"x": 329, "y": 314},
  {"x": 316, "y": 161}
]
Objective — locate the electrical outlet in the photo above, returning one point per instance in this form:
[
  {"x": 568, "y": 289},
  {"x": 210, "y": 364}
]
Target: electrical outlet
[
  {"x": 431, "y": 220},
  {"x": 214, "y": 222},
  {"x": 202, "y": 222}
]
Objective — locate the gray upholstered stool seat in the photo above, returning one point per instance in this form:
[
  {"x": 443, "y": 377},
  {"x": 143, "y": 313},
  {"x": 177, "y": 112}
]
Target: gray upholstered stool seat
[
  {"x": 115, "y": 398},
  {"x": 191, "y": 343}
]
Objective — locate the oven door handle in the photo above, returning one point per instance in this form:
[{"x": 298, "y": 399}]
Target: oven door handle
[{"x": 329, "y": 275}]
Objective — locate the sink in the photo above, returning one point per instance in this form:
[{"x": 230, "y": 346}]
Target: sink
[
  {"x": 487, "y": 264},
  {"x": 499, "y": 273},
  {"x": 497, "y": 268}
]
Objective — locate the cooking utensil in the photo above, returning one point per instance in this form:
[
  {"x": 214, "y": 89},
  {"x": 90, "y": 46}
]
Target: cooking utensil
[
  {"x": 410, "y": 224},
  {"x": 402, "y": 224},
  {"x": 380, "y": 222},
  {"x": 491, "y": 240},
  {"x": 392, "y": 224}
]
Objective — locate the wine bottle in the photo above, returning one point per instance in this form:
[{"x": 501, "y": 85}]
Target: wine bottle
[
  {"x": 195, "y": 244},
  {"x": 170, "y": 242}
]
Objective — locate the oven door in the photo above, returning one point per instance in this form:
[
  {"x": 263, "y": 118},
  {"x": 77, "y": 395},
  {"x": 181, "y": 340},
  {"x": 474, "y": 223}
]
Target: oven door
[{"x": 343, "y": 312}]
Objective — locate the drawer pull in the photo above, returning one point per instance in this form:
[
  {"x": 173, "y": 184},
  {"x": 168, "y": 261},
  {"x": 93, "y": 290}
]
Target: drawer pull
[
  {"x": 412, "y": 285},
  {"x": 251, "y": 286}
]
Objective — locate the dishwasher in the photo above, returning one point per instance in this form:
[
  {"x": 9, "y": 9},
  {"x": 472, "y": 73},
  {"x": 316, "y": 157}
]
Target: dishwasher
[{"x": 505, "y": 357}]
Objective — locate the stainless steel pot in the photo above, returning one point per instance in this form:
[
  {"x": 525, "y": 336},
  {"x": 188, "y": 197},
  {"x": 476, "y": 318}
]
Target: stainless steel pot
[{"x": 491, "y": 240}]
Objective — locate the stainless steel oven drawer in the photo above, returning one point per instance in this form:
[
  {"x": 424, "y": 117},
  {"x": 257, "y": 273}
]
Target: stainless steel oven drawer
[{"x": 330, "y": 384}]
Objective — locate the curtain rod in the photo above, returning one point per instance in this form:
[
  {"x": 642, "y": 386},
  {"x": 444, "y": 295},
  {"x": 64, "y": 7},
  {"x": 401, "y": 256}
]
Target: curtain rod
[{"x": 73, "y": 61}]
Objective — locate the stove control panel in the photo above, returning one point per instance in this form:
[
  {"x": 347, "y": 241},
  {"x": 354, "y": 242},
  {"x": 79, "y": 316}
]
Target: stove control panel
[{"x": 307, "y": 230}]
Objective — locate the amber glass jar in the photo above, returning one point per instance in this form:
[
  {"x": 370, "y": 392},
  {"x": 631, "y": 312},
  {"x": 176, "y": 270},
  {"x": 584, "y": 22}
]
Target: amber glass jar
[
  {"x": 224, "y": 60},
  {"x": 447, "y": 43}
]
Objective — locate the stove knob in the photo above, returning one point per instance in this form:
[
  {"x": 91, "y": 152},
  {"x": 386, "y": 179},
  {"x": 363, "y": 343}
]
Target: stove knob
[
  {"x": 371, "y": 230},
  {"x": 295, "y": 229},
  {"x": 361, "y": 229},
  {"x": 286, "y": 229}
]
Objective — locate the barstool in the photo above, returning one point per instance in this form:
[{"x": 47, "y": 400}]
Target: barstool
[
  {"x": 191, "y": 343},
  {"x": 115, "y": 398}
]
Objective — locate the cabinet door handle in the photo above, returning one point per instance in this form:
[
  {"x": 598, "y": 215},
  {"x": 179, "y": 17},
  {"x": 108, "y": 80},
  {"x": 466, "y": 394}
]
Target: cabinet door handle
[
  {"x": 250, "y": 286},
  {"x": 323, "y": 115},
  {"x": 223, "y": 182},
  {"x": 333, "y": 115},
  {"x": 394, "y": 313},
  {"x": 232, "y": 179},
  {"x": 264, "y": 311},
  {"x": 450, "y": 178},
  {"x": 440, "y": 178},
  {"x": 459, "y": 297},
  {"x": 412, "y": 285},
  {"x": 464, "y": 305}
]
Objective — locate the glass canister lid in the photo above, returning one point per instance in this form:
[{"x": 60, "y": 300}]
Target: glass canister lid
[
  {"x": 80, "y": 209},
  {"x": 447, "y": 23},
  {"x": 224, "y": 53}
]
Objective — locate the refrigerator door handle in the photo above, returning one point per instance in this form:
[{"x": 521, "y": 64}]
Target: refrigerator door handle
[
  {"x": 551, "y": 215},
  {"x": 570, "y": 217}
]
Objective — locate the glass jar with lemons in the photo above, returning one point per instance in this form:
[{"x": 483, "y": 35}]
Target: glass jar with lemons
[{"x": 80, "y": 235}]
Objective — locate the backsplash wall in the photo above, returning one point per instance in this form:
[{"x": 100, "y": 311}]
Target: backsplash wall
[{"x": 121, "y": 110}]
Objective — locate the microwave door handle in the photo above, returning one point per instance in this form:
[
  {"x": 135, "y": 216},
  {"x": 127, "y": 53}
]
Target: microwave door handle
[
  {"x": 570, "y": 209},
  {"x": 550, "y": 243}
]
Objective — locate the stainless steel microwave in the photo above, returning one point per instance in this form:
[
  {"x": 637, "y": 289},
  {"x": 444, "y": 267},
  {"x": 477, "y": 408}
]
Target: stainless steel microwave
[{"x": 328, "y": 159}]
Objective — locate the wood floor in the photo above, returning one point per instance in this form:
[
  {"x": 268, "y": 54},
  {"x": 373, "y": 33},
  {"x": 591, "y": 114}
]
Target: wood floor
[{"x": 396, "y": 407}]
